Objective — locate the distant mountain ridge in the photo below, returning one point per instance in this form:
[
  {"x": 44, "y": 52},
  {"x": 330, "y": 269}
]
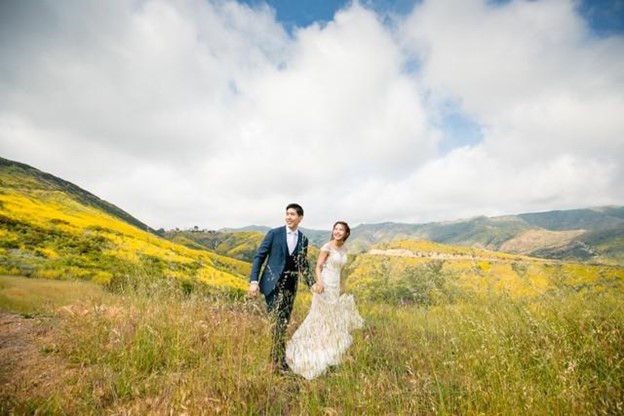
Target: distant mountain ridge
[
  {"x": 594, "y": 219},
  {"x": 591, "y": 234}
]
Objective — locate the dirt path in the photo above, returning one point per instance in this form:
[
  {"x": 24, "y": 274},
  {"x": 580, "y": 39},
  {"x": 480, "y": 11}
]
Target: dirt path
[
  {"x": 17, "y": 341},
  {"x": 23, "y": 362}
]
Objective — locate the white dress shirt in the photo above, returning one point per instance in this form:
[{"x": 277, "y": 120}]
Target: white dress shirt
[{"x": 291, "y": 239}]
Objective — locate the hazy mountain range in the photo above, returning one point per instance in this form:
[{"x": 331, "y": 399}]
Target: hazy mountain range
[{"x": 589, "y": 234}]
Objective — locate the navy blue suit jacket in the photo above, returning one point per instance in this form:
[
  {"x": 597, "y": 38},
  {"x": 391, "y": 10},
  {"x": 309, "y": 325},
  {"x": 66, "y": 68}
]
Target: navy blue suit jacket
[{"x": 274, "y": 250}]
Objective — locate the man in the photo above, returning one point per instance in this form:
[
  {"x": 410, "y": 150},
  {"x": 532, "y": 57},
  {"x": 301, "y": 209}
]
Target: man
[{"x": 285, "y": 250}]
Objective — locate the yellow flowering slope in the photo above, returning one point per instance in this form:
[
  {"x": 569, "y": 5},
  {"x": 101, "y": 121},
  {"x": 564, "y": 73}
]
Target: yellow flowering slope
[
  {"x": 52, "y": 229},
  {"x": 422, "y": 271}
]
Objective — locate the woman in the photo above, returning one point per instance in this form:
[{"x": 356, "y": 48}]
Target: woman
[{"x": 324, "y": 335}]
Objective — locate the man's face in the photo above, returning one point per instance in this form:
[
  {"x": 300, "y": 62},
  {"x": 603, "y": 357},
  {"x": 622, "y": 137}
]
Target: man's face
[{"x": 292, "y": 218}]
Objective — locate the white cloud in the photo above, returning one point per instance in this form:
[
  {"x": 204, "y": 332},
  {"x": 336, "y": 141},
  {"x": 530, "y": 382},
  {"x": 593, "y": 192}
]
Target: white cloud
[
  {"x": 208, "y": 113},
  {"x": 545, "y": 92}
]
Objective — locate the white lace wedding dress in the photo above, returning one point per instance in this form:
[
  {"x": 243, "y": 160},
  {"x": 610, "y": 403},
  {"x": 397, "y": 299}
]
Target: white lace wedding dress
[{"x": 324, "y": 335}]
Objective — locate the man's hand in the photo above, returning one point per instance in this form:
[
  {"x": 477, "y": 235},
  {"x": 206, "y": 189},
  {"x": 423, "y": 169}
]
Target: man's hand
[{"x": 254, "y": 288}]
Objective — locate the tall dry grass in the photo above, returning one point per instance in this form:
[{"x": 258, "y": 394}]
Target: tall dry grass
[{"x": 157, "y": 349}]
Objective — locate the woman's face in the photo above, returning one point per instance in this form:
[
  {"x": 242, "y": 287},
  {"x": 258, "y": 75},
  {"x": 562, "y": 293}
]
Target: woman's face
[{"x": 339, "y": 232}]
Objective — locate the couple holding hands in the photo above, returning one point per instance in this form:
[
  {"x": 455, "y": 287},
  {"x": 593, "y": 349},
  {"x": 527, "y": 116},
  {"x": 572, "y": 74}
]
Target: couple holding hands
[{"x": 324, "y": 335}]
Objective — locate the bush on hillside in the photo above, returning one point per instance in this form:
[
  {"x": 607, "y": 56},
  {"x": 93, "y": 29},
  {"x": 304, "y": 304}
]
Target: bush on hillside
[{"x": 415, "y": 284}]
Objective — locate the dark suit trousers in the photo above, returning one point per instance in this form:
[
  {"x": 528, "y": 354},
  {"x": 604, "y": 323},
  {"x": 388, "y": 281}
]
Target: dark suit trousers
[{"x": 280, "y": 305}]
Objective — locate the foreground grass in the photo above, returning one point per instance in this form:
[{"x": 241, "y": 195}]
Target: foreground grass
[{"x": 155, "y": 350}]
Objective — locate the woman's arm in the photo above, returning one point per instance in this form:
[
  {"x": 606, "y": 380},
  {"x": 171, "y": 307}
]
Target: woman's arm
[{"x": 319, "y": 268}]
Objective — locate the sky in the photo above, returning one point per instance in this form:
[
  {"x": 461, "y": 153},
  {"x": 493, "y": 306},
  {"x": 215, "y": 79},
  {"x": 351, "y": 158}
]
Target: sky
[{"x": 218, "y": 113}]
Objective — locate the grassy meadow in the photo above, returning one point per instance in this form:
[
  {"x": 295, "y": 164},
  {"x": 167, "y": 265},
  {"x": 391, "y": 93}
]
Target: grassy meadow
[{"x": 154, "y": 348}]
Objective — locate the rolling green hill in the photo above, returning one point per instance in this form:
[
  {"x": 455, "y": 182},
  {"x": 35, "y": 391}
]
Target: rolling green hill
[
  {"x": 426, "y": 273},
  {"x": 316, "y": 237},
  {"x": 240, "y": 245},
  {"x": 51, "y": 228}
]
